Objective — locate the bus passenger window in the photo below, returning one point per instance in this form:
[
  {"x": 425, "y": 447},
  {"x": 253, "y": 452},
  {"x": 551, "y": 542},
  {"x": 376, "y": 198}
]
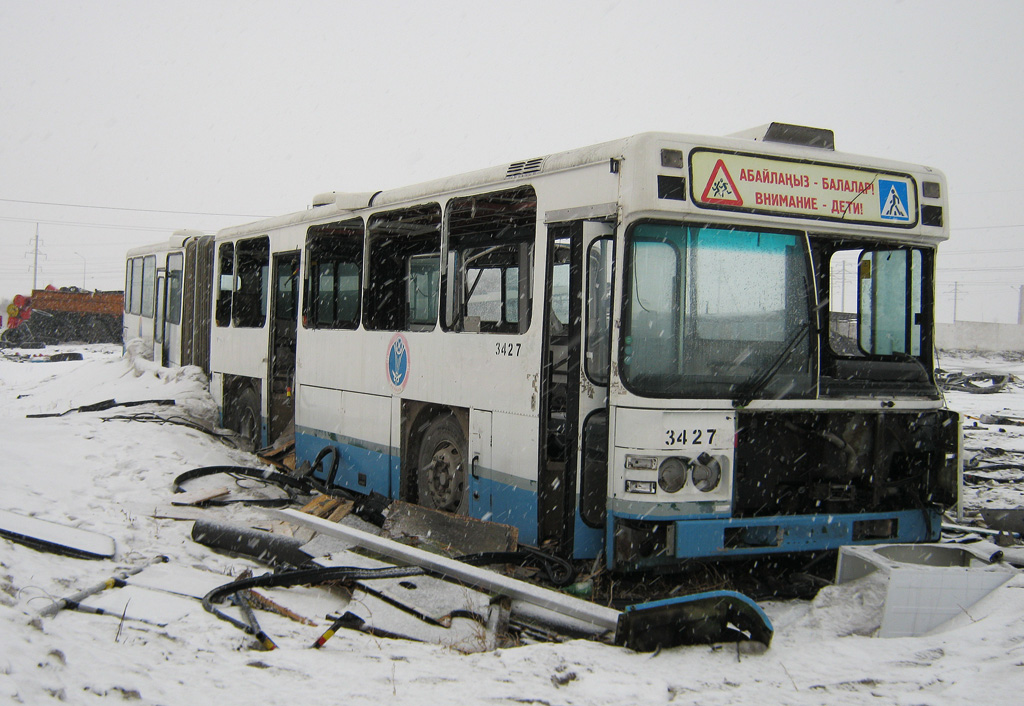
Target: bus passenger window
[
  {"x": 175, "y": 271},
  {"x": 128, "y": 286},
  {"x": 148, "y": 286},
  {"x": 333, "y": 285},
  {"x": 225, "y": 283},
  {"x": 490, "y": 262},
  {"x": 402, "y": 284},
  {"x": 249, "y": 301},
  {"x": 599, "y": 310},
  {"x": 134, "y": 295}
]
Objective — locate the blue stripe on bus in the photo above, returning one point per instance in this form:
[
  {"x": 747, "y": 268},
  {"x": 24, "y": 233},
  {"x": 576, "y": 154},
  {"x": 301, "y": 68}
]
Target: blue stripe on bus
[{"x": 353, "y": 460}]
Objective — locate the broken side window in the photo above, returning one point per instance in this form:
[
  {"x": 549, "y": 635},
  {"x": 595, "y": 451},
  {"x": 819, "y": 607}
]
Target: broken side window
[
  {"x": 175, "y": 273},
  {"x": 334, "y": 253},
  {"x": 249, "y": 300},
  {"x": 403, "y": 281},
  {"x": 225, "y": 283},
  {"x": 489, "y": 265},
  {"x": 148, "y": 286},
  {"x": 136, "y": 287}
]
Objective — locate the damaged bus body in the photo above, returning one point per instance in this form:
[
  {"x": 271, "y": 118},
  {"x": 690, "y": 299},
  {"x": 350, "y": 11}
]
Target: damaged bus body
[
  {"x": 167, "y": 299},
  {"x": 643, "y": 348}
]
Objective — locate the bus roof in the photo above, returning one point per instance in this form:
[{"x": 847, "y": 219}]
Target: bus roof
[{"x": 758, "y": 140}]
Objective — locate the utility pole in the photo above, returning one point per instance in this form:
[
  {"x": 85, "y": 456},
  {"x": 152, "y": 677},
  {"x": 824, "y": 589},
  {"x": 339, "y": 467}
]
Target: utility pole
[
  {"x": 83, "y": 268},
  {"x": 955, "y": 297},
  {"x": 35, "y": 259}
]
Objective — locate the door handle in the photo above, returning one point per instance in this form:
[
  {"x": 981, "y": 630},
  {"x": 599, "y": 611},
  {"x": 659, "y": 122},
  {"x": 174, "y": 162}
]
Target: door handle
[{"x": 472, "y": 466}]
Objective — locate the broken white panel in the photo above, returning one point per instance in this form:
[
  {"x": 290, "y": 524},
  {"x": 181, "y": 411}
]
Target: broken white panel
[
  {"x": 182, "y": 580},
  {"x": 430, "y": 598},
  {"x": 136, "y": 603},
  {"x": 466, "y": 635},
  {"x": 926, "y": 584}
]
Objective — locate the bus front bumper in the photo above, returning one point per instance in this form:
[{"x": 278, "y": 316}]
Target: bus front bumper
[{"x": 635, "y": 543}]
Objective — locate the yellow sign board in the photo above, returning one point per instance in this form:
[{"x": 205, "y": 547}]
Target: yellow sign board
[{"x": 785, "y": 187}]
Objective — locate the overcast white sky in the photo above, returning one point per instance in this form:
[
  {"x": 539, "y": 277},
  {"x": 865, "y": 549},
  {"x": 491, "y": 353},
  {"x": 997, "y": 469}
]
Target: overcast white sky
[{"x": 218, "y": 111}]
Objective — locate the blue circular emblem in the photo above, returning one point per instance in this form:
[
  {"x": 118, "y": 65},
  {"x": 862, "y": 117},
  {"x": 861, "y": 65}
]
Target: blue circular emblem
[{"x": 398, "y": 362}]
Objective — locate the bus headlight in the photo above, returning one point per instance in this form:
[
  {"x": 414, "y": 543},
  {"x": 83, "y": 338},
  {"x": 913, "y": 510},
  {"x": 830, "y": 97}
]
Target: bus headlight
[
  {"x": 707, "y": 473},
  {"x": 672, "y": 473}
]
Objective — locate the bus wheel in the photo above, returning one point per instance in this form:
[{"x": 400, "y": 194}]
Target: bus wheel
[
  {"x": 249, "y": 423},
  {"x": 441, "y": 475}
]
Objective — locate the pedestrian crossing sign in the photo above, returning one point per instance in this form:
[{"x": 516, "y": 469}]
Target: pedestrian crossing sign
[{"x": 893, "y": 200}]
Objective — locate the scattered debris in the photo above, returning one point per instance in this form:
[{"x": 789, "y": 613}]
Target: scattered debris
[
  {"x": 236, "y": 540},
  {"x": 116, "y": 580},
  {"x": 1000, "y": 419},
  {"x": 199, "y": 497},
  {"x": 978, "y": 383},
  {"x": 328, "y": 507},
  {"x": 925, "y": 585},
  {"x": 291, "y": 487},
  {"x": 101, "y": 406},
  {"x": 688, "y": 617},
  {"x": 445, "y": 533},
  {"x": 54, "y": 537},
  {"x": 1005, "y": 520}
]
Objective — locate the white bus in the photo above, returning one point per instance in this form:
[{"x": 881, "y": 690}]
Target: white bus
[
  {"x": 167, "y": 299},
  {"x": 627, "y": 349}
]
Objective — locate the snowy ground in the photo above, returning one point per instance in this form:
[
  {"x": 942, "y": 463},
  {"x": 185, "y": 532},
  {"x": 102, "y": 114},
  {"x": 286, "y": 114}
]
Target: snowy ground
[{"x": 107, "y": 476}]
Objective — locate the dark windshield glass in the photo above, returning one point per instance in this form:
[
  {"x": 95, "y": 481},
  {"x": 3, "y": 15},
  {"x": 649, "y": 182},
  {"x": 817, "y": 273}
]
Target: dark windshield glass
[{"x": 716, "y": 312}]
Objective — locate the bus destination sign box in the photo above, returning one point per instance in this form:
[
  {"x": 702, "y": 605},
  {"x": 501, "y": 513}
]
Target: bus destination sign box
[{"x": 784, "y": 187}]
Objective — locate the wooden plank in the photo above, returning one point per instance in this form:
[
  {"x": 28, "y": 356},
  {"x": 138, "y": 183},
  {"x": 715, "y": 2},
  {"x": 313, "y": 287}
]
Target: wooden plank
[
  {"x": 195, "y": 497},
  {"x": 341, "y": 511},
  {"x": 321, "y": 506}
]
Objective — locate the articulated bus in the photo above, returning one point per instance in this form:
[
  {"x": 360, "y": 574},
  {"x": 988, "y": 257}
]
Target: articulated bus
[
  {"x": 167, "y": 299},
  {"x": 636, "y": 348}
]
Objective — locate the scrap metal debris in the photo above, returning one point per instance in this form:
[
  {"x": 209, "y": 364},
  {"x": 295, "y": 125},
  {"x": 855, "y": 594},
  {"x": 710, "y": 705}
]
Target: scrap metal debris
[{"x": 978, "y": 383}]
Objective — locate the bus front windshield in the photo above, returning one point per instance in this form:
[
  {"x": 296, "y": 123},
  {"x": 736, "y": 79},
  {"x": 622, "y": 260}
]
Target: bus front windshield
[{"x": 717, "y": 312}]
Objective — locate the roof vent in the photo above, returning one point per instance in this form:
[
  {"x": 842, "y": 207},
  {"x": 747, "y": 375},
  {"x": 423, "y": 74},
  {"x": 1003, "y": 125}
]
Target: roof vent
[
  {"x": 791, "y": 135},
  {"x": 325, "y": 199},
  {"x": 530, "y": 166},
  {"x": 344, "y": 199}
]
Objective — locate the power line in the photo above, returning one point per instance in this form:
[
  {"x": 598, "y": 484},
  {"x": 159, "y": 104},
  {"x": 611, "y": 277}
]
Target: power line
[
  {"x": 83, "y": 225},
  {"x": 1015, "y": 225},
  {"x": 134, "y": 210}
]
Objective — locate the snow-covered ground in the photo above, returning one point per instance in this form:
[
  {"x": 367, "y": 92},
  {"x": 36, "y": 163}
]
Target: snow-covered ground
[{"x": 108, "y": 476}]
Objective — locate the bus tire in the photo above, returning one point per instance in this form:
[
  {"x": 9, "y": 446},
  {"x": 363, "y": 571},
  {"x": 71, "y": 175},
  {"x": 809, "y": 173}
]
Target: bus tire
[
  {"x": 441, "y": 473},
  {"x": 249, "y": 422}
]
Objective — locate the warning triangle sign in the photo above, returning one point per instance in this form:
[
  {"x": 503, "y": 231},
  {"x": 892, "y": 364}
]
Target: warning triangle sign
[
  {"x": 894, "y": 207},
  {"x": 721, "y": 189}
]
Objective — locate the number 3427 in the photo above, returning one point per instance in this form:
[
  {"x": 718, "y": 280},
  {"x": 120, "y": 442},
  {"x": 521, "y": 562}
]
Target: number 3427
[{"x": 690, "y": 436}]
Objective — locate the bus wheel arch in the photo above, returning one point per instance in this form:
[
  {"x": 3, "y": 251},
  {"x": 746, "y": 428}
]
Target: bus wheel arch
[
  {"x": 250, "y": 423},
  {"x": 243, "y": 411},
  {"x": 438, "y": 458}
]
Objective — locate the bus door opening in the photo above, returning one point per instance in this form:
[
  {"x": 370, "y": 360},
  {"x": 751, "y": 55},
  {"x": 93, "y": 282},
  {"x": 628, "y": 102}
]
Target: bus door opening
[
  {"x": 284, "y": 319},
  {"x": 575, "y": 384},
  {"x": 159, "y": 340}
]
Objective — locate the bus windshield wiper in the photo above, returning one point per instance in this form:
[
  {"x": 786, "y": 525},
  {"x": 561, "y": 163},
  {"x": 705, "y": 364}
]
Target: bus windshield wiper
[{"x": 753, "y": 388}]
